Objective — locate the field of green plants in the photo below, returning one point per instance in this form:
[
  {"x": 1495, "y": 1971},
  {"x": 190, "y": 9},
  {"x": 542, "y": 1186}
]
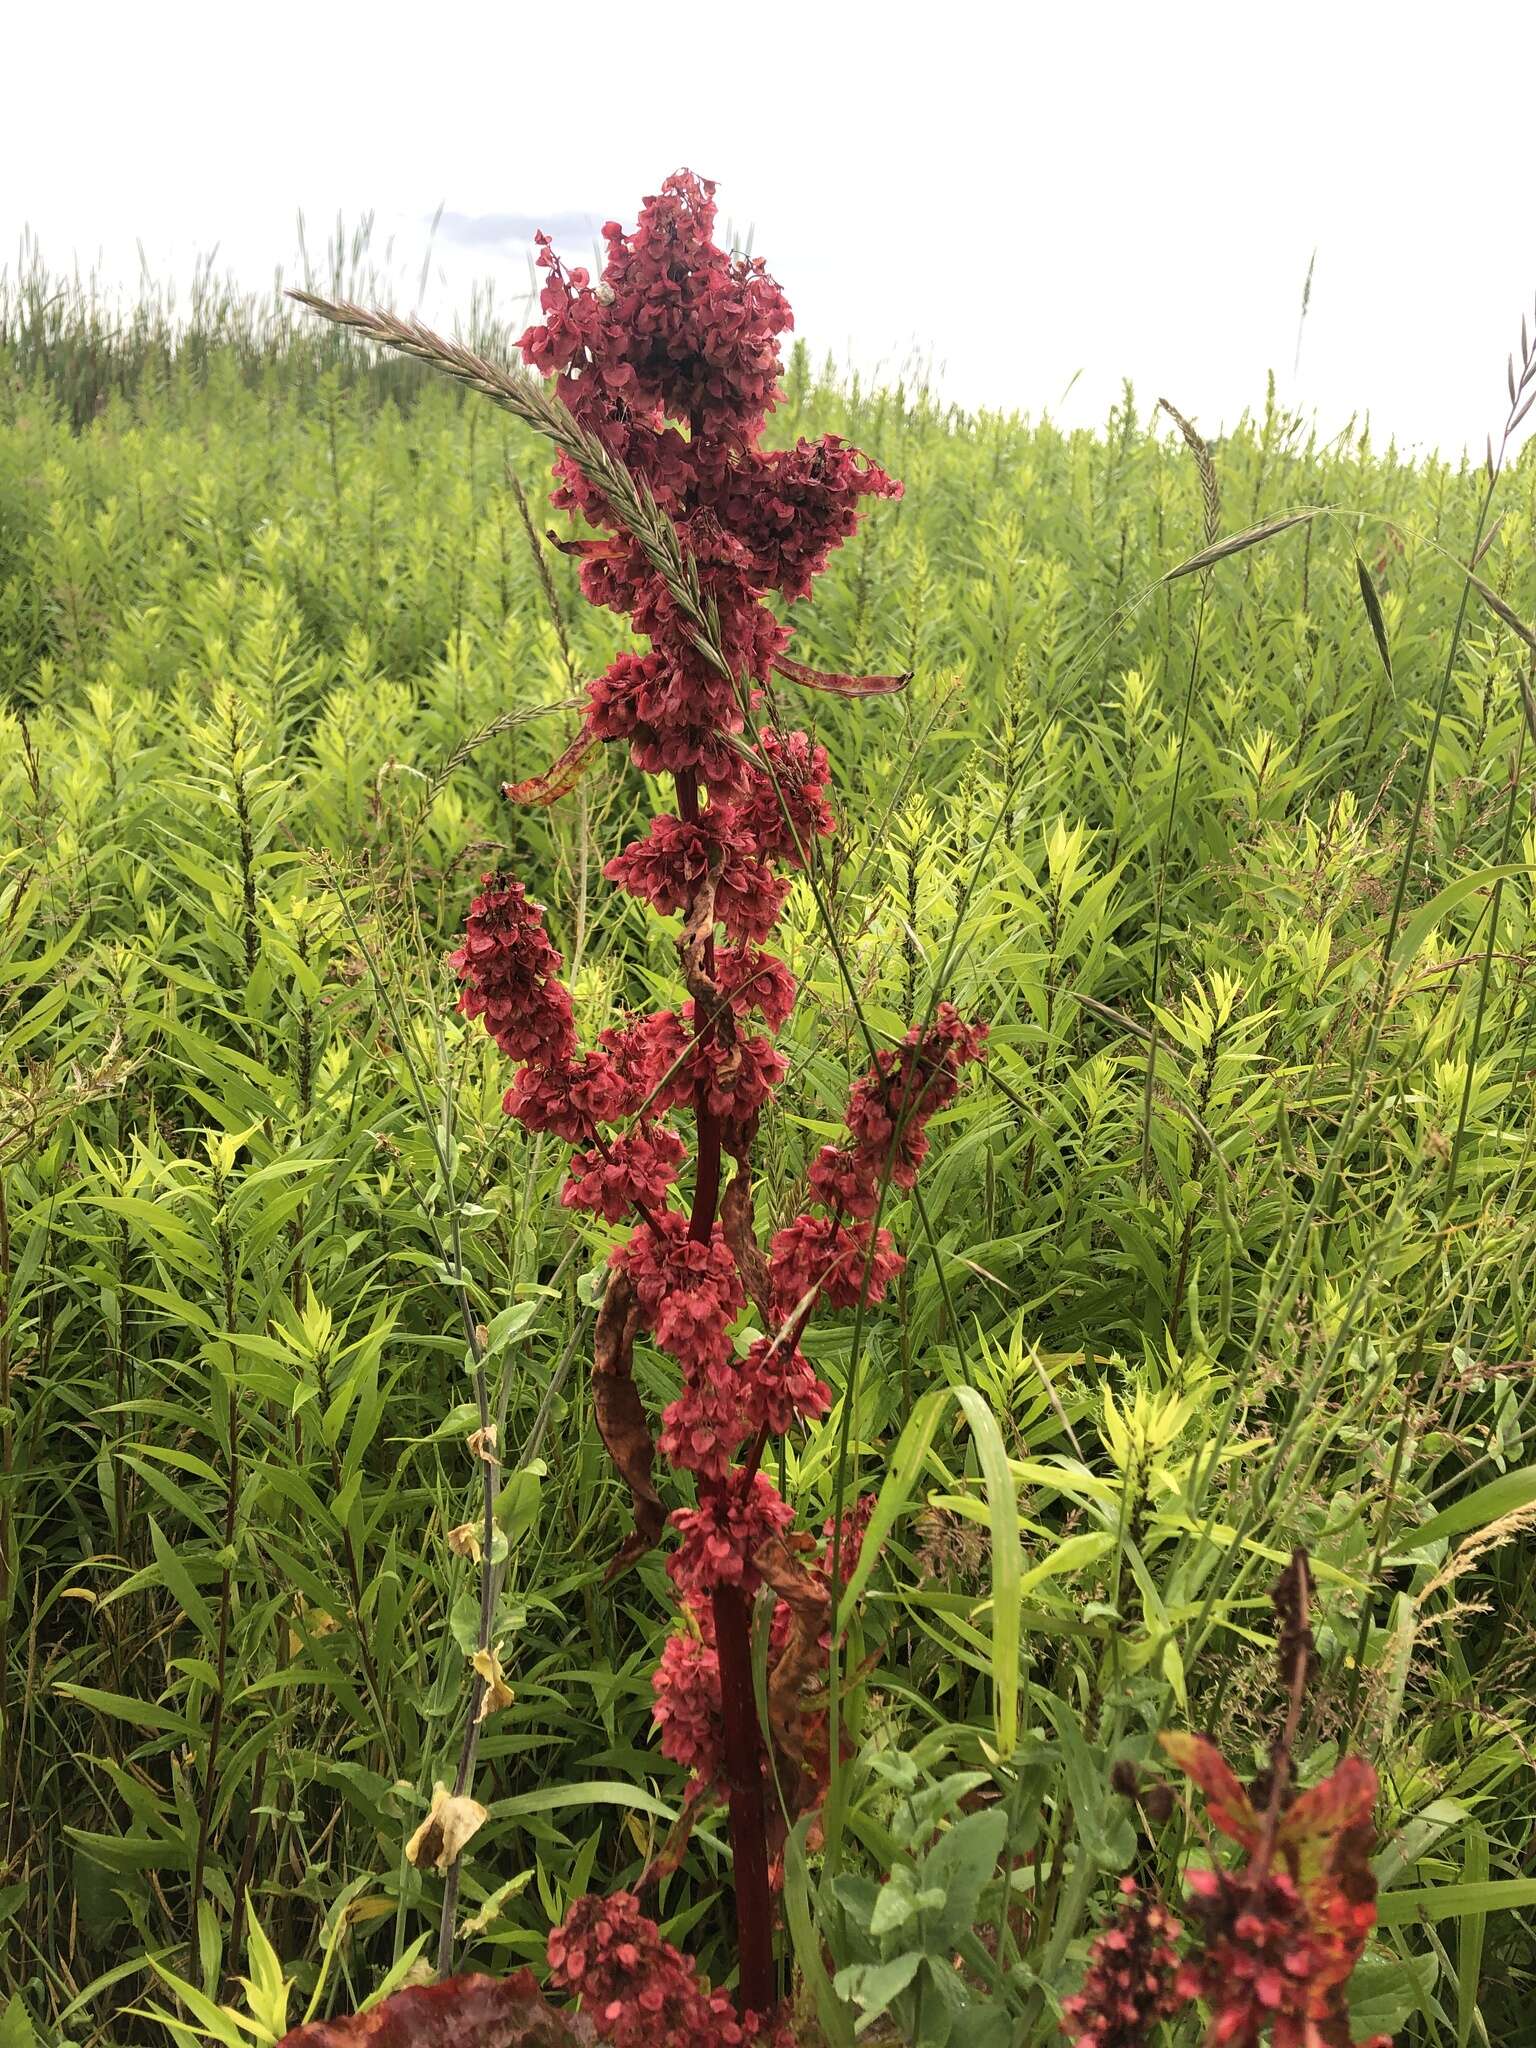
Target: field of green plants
[{"x": 1227, "y": 1247}]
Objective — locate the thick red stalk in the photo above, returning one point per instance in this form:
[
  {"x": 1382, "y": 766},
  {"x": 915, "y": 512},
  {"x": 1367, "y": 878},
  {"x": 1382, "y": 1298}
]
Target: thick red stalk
[
  {"x": 733, "y": 1618},
  {"x": 706, "y": 1184},
  {"x": 757, "y": 1991}
]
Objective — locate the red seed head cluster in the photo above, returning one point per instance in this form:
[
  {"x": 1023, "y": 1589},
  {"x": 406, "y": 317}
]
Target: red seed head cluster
[
  {"x": 1273, "y": 1942},
  {"x": 671, "y": 361},
  {"x": 638, "y": 1990},
  {"x": 1275, "y": 1956},
  {"x": 1131, "y": 1976}
]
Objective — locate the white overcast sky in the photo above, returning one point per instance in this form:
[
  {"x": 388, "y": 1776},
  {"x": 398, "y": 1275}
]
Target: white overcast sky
[{"x": 1024, "y": 195}]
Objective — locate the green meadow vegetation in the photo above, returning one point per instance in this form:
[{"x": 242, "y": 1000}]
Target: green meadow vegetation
[{"x": 1228, "y": 1248}]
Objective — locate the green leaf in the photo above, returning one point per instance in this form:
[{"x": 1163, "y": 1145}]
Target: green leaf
[
  {"x": 961, "y": 1864},
  {"x": 1007, "y": 1563},
  {"x": 517, "y": 1505},
  {"x": 1470, "y": 1934},
  {"x": 16, "y": 2027},
  {"x": 507, "y": 1325},
  {"x": 1384, "y": 1990},
  {"x": 178, "y": 1581},
  {"x": 583, "y": 1792},
  {"x": 895, "y": 1495},
  {"x": 1236, "y": 544},
  {"x": 1503, "y": 1496},
  {"x": 1451, "y": 1901},
  {"x": 872, "y": 1986},
  {"x": 1373, "y": 611},
  {"x": 1418, "y": 927},
  {"x": 119, "y": 1707},
  {"x": 894, "y": 1906},
  {"x": 806, "y": 1939}
]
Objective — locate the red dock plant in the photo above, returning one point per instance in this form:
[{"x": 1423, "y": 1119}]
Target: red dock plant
[
  {"x": 1276, "y": 1938},
  {"x": 670, "y": 363}
]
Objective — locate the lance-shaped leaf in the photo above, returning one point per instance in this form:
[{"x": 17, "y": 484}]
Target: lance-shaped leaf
[
  {"x": 585, "y": 550},
  {"x": 840, "y": 686},
  {"x": 1226, "y": 1802},
  {"x": 461, "y": 2012},
  {"x": 621, "y": 1418},
  {"x": 1373, "y": 611},
  {"x": 559, "y": 778}
]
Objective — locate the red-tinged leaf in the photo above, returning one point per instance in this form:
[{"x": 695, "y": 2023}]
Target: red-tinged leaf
[
  {"x": 560, "y": 778},
  {"x": 461, "y": 2012},
  {"x": 584, "y": 550},
  {"x": 840, "y": 686},
  {"x": 1340, "y": 1805},
  {"x": 1226, "y": 1802}
]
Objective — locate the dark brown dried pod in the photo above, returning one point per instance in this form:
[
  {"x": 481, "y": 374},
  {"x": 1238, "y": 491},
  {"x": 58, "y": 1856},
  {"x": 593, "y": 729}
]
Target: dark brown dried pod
[{"x": 621, "y": 1418}]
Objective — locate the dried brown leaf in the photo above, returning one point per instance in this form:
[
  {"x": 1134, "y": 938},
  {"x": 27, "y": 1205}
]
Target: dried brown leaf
[
  {"x": 803, "y": 1660},
  {"x": 451, "y": 1821},
  {"x": 738, "y": 1228},
  {"x": 1292, "y": 1602},
  {"x": 621, "y": 1418},
  {"x": 497, "y": 1693},
  {"x": 559, "y": 778}
]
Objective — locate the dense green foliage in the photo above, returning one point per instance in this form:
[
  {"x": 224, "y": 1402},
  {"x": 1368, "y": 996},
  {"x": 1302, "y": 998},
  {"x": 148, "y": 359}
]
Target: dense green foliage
[{"x": 273, "y": 630}]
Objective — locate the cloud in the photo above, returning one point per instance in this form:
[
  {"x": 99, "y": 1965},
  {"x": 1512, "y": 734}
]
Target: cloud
[{"x": 495, "y": 230}]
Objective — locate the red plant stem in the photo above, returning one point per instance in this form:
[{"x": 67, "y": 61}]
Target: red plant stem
[
  {"x": 706, "y": 1179},
  {"x": 756, "y": 1991}
]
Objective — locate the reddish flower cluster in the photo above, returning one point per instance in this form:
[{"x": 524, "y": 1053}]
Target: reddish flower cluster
[
  {"x": 822, "y": 1257},
  {"x": 512, "y": 976},
  {"x": 633, "y": 1171},
  {"x": 671, "y": 362},
  {"x": 724, "y": 1534},
  {"x": 1131, "y": 1976},
  {"x": 686, "y": 1683},
  {"x": 889, "y": 1110},
  {"x": 669, "y": 866},
  {"x": 637, "y": 1989},
  {"x": 1271, "y": 1958},
  {"x": 679, "y": 335},
  {"x": 1280, "y": 1935}
]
